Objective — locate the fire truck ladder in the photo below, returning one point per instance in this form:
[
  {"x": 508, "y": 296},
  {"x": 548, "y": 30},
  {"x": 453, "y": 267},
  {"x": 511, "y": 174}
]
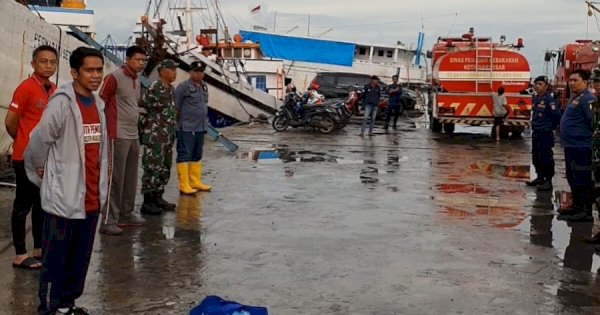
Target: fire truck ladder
[{"x": 484, "y": 62}]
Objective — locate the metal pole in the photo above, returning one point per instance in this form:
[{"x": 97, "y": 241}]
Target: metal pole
[
  {"x": 274, "y": 21},
  {"x": 308, "y": 31}
]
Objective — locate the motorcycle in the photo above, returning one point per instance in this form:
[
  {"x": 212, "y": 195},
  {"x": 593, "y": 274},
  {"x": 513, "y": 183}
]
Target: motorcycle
[{"x": 296, "y": 113}]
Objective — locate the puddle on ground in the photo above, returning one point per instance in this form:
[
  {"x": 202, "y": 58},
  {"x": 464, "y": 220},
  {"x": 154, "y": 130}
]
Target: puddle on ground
[
  {"x": 501, "y": 208},
  {"x": 283, "y": 155}
]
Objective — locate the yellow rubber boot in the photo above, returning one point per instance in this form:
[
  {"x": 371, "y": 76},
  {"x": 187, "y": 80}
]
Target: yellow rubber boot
[
  {"x": 196, "y": 177},
  {"x": 183, "y": 170}
]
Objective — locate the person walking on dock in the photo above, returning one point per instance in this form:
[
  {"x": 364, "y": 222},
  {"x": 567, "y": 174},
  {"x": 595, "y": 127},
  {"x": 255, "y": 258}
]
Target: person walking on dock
[
  {"x": 191, "y": 101},
  {"x": 28, "y": 102},
  {"x": 544, "y": 119},
  {"x": 67, "y": 157},
  {"x": 121, "y": 92},
  {"x": 158, "y": 136},
  {"x": 370, "y": 97}
]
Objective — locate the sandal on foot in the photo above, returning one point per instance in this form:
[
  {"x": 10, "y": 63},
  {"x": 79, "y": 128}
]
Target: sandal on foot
[{"x": 28, "y": 264}]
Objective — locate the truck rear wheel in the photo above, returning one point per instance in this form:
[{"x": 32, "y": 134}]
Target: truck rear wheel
[
  {"x": 435, "y": 124},
  {"x": 449, "y": 128}
]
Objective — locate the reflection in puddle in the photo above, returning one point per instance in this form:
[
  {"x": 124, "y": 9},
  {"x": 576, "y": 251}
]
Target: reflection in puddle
[
  {"x": 501, "y": 208},
  {"x": 283, "y": 155}
]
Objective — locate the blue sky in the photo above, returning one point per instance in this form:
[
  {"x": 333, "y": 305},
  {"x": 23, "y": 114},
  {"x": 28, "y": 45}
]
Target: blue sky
[{"x": 543, "y": 23}]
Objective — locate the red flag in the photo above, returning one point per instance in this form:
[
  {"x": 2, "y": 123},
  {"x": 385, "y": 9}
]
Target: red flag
[{"x": 255, "y": 10}]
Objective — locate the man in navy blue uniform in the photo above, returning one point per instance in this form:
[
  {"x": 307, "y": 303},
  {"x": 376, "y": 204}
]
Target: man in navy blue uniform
[
  {"x": 544, "y": 119},
  {"x": 576, "y": 139}
]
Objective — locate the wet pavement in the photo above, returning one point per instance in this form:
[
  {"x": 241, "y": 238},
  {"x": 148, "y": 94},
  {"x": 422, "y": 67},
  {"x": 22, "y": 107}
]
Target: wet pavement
[{"x": 402, "y": 223}]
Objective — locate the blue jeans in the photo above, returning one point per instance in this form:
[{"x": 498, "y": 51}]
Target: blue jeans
[
  {"x": 189, "y": 146},
  {"x": 370, "y": 112}
]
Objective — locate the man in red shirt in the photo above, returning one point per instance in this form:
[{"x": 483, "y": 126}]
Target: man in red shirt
[
  {"x": 67, "y": 157},
  {"x": 24, "y": 113}
]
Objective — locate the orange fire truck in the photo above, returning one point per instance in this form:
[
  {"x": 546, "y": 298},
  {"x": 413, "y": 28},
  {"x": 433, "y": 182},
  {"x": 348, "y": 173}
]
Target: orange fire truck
[
  {"x": 467, "y": 71},
  {"x": 583, "y": 54}
]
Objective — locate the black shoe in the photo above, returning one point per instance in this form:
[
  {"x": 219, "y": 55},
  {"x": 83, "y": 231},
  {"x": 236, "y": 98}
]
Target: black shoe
[
  {"x": 149, "y": 206},
  {"x": 576, "y": 217},
  {"x": 163, "y": 204},
  {"x": 385, "y": 127},
  {"x": 395, "y": 128},
  {"x": 545, "y": 185},
  {"x": 534, "y": 182}
]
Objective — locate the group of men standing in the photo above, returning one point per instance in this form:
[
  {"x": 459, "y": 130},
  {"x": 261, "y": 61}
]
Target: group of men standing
[
  {"x": 77, "y": 155},
  {"x": 576, "y": 131}
]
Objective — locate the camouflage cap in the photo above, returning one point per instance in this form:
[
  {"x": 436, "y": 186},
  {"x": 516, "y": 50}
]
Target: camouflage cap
[{"x": 167, "y": 63}]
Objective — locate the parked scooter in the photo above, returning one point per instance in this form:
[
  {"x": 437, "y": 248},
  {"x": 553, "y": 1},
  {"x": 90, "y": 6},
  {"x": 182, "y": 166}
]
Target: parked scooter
[{"x": 296, "y": 113}]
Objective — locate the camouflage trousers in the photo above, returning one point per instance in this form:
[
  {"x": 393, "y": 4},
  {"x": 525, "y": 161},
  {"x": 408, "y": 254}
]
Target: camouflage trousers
[{"x": 157, "y": 160}]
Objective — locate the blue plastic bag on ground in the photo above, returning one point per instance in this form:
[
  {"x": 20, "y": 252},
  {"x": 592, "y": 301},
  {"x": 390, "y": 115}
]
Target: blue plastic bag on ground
[{"x": 214, "y": 305}]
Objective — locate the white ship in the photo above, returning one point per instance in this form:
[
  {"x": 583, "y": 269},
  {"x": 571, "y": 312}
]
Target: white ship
[{"x": 380, "y": 60}]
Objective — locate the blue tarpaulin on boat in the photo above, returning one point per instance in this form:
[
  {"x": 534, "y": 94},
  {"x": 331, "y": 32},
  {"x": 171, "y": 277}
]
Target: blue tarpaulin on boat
[{"x": 302, "y": 49}]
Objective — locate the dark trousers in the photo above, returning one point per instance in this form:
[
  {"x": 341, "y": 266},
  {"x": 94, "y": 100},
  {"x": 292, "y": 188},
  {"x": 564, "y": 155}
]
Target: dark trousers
[
  {"x": 27, "y": 198},
  {"x": 67, "y": 247},
  {"x": 189, "y": 146},
  {"x": 541, "y": 153},
  {"x": 392, "y": 111},
  {"x": 578, "y": 162}
]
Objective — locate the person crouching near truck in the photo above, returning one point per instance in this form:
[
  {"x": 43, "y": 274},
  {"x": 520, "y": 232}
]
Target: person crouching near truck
[
  {"x": 576, "y": 139},
  {"x": 544, "y": 119},
  {"x": 500, "y": 111},
  {"x": 191, "y": 103}
]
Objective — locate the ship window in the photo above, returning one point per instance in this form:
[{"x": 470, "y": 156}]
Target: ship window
[
  {"x": 380, "y": 52},
  {"x": 227, "y": 53},
  {"x": 259, "y": 82},
  {"x": 247, "y": 53},
  {"x": 362, "y": 51},
  {"x": 237, "y": 53},
  {"x": 390, "y": 54}
]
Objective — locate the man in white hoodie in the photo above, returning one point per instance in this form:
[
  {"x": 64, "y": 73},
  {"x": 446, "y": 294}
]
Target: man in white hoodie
[{"x": 67, "y": 158}]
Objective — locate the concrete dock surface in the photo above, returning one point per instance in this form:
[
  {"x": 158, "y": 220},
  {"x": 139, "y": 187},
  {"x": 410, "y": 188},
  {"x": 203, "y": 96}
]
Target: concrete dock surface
[{"x": 405, "y": 222}]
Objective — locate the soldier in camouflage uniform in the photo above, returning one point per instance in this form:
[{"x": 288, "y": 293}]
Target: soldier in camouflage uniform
[{"x": 158, "y": 136}]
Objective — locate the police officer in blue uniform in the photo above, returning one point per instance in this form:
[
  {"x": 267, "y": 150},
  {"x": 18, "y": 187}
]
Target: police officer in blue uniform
[
  {"x": 544, "y": 119},
  {"x": 576, "y": 139}
]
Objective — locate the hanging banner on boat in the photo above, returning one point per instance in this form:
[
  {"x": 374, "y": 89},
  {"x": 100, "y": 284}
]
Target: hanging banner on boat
[{"x": 302, "y": 49}]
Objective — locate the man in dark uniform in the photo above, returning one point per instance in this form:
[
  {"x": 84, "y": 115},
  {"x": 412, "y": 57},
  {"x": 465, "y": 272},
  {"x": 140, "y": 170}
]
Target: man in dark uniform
[
  {"x": 576, "y": 139},
  {"x": 394, "y": 106},
  {"x": 370, "y": 97},
  {"x": 191, "y": 103},
  {"x": 545, "y": 118},
  {"x": 158, "y": 137}
]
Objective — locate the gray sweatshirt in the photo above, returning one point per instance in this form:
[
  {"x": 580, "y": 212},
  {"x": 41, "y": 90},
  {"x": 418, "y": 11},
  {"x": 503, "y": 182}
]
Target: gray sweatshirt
[{"x": 56, "y": 144}]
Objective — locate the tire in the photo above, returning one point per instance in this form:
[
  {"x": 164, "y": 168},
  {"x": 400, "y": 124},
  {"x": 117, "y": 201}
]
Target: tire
[
  {"x": 517, "y": 132},
  {"x": 280, "y": 123},
  {"x": 435, "y": 124},
  {"x": 504, "y": 132},
  {"x": 449, "y": 128},
  {"x": 328, "y": 125}
]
